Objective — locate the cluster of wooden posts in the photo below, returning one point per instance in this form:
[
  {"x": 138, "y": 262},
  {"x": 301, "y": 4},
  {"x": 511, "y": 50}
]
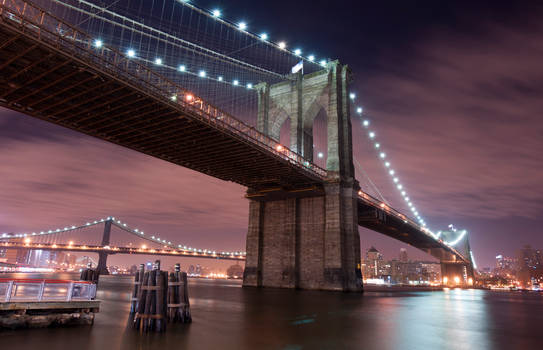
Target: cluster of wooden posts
[
  {"x": 90, "y": 275},
  {"x": 159, "y": 298}
]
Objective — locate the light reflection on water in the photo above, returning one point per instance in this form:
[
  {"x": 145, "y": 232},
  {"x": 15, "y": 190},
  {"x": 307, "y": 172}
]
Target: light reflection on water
[{"x": 226, "y": 316}]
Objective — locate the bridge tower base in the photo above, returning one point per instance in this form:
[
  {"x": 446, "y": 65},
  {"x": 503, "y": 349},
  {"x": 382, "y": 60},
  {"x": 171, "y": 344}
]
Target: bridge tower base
[
  {"x": 309, "y": 242},
  {"x": 457, "y": 274}
]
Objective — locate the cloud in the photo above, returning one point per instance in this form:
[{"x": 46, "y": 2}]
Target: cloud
[
  {"x": 70, "y": 178},
  {"x": 461, "y": 120}
]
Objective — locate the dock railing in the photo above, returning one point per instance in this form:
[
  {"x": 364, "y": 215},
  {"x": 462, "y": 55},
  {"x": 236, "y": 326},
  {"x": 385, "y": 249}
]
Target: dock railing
[{"x": 42, "y": 290}]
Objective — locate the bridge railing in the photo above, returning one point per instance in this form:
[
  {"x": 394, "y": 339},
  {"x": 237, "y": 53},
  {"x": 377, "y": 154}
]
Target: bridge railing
[
  {"x": 55, "y": 32},
  {"x": 42, "y": 290}
]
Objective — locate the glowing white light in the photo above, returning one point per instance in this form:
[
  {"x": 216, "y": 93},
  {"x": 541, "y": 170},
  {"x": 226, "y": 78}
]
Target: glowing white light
[
  {"x": 174, "y": 97},
  {"x": 298, "y": 52},
  {"x": 372, "y": 134},
  {"x": 242, "y": 25},
  {"x": 282, "y": 45},
  {"x": 131, "y": 53},
  {"x": 472, "y": 259},
  {"x": 249, "y": 86},
  {"x": 400, "y": 187},
  {"x": 387, "y": 164},
  {"x": 391, "y": 172},
  {"x": 462, "y": 234},
  {"x": 396, "y": 179},
  {"x": 366, "y": 122},
  {"x": 182, "y": 68},
  {"x": 158, "y": 61},
  {"x": 323, "y": 63},
  {"x": 382, "y": 155},
  {"x": 311, "y": 58},
  {"x": 352, "y": 95},
  {"x": 98, "y": 43},
  {"x": 359, "y": 110},
  {"x": 235, "y": 82},
  {"x": 216, "y": 13},
  {"x": 202, "y": 74},
  {"x": 264, "y": 36},
  {"x": 220, "y": 78},
  {"x": 320, "y": 155},
  {"x": 377, "y": 145}
]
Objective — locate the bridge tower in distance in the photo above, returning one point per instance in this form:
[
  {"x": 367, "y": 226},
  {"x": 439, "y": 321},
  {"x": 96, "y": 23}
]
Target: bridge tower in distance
[
  {"x": 102, "y": 256},
  {"x": 454, "y": 272},
  {"x": 308, "y": 237}
]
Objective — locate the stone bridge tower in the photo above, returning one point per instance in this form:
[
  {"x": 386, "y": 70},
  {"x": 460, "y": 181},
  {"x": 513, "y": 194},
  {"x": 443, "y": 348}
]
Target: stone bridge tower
[{"x": 307, "y": 239}]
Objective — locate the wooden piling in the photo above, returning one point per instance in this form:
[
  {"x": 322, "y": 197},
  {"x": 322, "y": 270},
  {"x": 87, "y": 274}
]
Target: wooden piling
[{"x": 160, "y": 298}]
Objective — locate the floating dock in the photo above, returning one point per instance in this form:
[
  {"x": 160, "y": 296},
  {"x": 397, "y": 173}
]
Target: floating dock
[{"x": 34, "y": 303}]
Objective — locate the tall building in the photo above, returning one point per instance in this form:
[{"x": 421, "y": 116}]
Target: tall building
[
  {"x": 403, "y": 255},
  {"x": 373, "y": 263},
  {"x": 529, "y": 265}
]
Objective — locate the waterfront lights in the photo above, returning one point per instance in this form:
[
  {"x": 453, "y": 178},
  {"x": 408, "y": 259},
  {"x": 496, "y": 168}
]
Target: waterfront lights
[
  {"x": 182, "y": 68},
  {"x": 320, "y": 155},
  {"x": 98, "y": 43},
  {"x": 372, "y": 134},
  {"x": 158, "y": 61},
  {"x": 174, "y": 98},
  {"x": 366, "y": 123},
  {"x": 282, "y": 45},
  {"x": 382, "y": 155},
  {"x": 311, "y": 58},
  {"x": 323, "y": 63},
  {"x": 359, "y": 110},
  {"x": 264, "y": 36},
  {"x": 279, "y": 148},
  {"x": 352, "y": 95},
  {"x": 235, "y": 82},
  {"x": 249, "y": 86},
  {"x": 220, "y": 78},
  {"x": 456, "y": 280},
  {"x": 189, "y": 97},
  {"x": 242, "y": 26},
  {"x": 202, "y": 74},
  {"x": 216, "y": 13},
  {"x": 131, "y": 53},
  {"x": 298, "y": 52}
]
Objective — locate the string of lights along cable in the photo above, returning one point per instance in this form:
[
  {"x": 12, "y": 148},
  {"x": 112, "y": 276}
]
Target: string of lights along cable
[
  {"x": 124, "y": 226},
  {"x": 197, "y": 48},
  {"x": 393, "y": 173}
]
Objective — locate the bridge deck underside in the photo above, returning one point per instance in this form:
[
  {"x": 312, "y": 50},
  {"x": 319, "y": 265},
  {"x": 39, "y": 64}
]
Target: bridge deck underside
[
  {"x": 40, "y": 80},
  {"x": 383, "y": 222}
]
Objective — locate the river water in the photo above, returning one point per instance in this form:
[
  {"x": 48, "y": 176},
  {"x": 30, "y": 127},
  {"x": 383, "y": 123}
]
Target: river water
[{"x": 226, "y": 316}]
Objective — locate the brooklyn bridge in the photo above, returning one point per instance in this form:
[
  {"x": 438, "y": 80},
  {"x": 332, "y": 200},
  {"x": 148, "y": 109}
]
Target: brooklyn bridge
[{"x": 216, "y": 102}]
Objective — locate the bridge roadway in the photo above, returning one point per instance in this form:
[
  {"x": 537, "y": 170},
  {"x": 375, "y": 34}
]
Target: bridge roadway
[
  {"x": 63, "y": 79},
  {"x": 120, "y": 250}
]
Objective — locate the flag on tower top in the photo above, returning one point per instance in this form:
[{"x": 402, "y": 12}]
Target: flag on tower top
[{"x": 299, "y": 66}]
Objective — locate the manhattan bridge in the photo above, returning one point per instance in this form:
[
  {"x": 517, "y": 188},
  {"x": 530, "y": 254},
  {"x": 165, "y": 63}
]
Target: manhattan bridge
[{"x": 186, "y": 85}]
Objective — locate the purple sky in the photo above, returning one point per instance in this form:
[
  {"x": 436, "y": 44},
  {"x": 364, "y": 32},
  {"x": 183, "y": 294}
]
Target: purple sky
[{"x": 458, "y": 110}]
